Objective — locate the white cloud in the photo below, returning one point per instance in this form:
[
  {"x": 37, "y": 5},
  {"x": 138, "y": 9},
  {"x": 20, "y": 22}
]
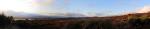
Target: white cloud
[
  {"x": 27, "y": 6},
  {"x": 145, "y": 9},
  {"x": 42, "y": 7}
]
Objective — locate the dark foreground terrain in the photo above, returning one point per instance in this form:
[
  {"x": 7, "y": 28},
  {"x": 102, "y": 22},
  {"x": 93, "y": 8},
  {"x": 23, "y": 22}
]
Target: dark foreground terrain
[{"x": 130, "y": 21}]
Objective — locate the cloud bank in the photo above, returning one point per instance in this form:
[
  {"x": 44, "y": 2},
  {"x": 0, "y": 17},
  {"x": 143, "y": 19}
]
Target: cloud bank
[
  {"x": 50, "y": 8},
  {"x": 145, "y": 9},
  {"x": 43, "y": 7}
]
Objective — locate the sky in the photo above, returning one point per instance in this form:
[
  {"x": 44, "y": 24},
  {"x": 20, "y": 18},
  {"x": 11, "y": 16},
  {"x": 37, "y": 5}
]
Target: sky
[{"x": 75, "y": 7}]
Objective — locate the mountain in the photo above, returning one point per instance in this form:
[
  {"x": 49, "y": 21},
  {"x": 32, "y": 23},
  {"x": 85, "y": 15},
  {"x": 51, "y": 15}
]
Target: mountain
[{"x": 33, "y": 15}]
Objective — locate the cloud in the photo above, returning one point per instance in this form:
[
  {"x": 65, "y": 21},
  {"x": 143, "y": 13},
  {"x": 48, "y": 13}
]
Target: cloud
[
  {"x": 43, "y": 7},
  {"x": 145, "y": 9},
  {"x": 46, "y": 7}
]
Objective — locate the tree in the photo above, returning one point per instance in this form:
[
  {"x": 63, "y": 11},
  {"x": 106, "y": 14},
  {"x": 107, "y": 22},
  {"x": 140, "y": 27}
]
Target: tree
[{"x": 5, "y": 20}]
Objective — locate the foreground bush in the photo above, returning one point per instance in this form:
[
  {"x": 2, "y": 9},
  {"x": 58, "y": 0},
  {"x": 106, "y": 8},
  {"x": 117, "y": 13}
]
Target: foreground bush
[
  {"x": 5, "y": 20},
  {"x": 82, "y": 24}
]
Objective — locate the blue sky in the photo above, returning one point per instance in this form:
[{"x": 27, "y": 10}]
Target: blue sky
[
  {"x": 109, "y": 7},
  {"x": 65, "y": 7}
]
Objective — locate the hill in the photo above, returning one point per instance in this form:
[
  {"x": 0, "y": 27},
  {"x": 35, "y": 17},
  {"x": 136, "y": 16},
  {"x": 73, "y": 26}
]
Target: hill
[{"x": 129, "y": 21}]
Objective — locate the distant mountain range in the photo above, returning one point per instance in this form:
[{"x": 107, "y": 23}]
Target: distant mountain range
[{"x": 33, "y": 15}]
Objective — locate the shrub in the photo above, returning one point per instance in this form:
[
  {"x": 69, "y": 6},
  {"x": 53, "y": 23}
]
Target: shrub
[{"x": 5, "y": 20}]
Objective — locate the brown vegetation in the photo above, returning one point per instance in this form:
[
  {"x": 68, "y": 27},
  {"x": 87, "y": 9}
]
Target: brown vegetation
[{"x": 130, "y": 21}]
